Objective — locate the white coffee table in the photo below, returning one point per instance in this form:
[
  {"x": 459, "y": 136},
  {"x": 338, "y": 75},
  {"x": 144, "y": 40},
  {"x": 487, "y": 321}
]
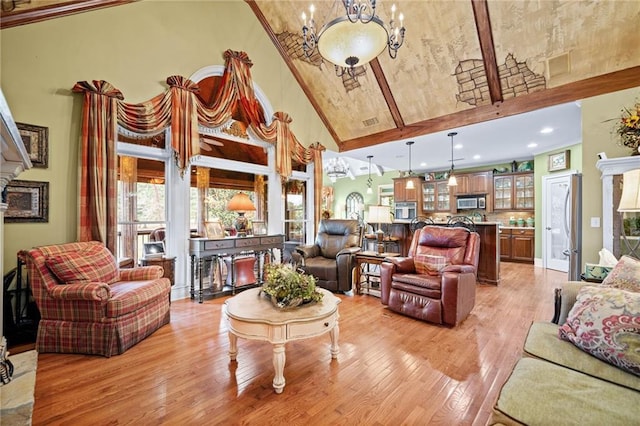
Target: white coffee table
[{"x": 252, "y": 316}]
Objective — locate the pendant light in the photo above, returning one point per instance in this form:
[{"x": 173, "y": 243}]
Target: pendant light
[
  {"x": 452, "y": 178},
  {"x": 369, "y": 190},
  {"x": 410, "y": 184}
]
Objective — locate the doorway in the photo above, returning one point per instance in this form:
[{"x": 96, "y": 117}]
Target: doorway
[{"x": 554, "y": 238}]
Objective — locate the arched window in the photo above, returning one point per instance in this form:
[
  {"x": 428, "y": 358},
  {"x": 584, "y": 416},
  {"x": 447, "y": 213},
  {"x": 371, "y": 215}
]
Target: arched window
[{"x": 355, "y": 206}]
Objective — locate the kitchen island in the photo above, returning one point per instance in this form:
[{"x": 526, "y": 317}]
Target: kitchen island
[{"x": 489, "y": 263}]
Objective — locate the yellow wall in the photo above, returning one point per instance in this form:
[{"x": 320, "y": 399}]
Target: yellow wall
[
  {"x": 600, "y": 115},
  {"x": 135, "y": 47}
]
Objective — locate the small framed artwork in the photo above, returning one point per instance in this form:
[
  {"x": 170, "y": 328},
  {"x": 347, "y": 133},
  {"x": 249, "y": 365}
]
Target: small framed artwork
[
  {"x": 27, "y": 201},
  {"x": 559, "y": 161},
  {"x": 36, "y": 140},
  {"x": 153, "y": 250},
  {"x": 259, "y": 228},
  {"x": 214, "y": 230}
]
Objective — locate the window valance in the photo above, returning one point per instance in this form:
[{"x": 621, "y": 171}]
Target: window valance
[{"x": 180, "y": 107}]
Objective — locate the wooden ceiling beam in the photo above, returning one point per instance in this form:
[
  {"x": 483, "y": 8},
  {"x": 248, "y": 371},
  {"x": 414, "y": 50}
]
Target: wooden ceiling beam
[
  {"x": 487, "y": 49},
  {"x": 55, "y": 10},
  {"x": 265, "y": 24},
  {"x": 599, "y": 85},
  {"x": 386, "y": 92}
]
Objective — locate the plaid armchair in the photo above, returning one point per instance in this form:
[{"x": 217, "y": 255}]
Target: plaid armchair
[{"x": 88, "y": 305}]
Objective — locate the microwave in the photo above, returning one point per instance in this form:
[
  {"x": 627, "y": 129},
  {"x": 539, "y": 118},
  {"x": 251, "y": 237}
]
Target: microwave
[
  {"x": 405, "y": 211},
  {"x": 470, "y": 203}
]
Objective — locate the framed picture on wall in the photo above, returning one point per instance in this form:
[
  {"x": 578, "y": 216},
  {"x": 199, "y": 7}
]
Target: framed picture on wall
[
  {"x": 27, "y": 201},
  {"x": 36, "y": 140},
  {"x": 559, "y": 161}
]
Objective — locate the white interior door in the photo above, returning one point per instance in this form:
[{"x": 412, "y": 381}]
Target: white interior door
[{"x": 555, "y": 239}]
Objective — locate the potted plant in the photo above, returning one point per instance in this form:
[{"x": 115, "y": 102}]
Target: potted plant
[{"x": 288, "y": 288}]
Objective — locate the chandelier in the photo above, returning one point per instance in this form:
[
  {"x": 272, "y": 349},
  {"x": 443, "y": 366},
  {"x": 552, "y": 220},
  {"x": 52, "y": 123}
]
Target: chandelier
[
  {"x": 354, "y": 39},
  {"x": 336, "y": 168}
]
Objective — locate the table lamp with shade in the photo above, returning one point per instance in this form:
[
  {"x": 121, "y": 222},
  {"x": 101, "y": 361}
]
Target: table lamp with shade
[
  {"x": 241, "y": 203},
  {"x": 630, "y": 202},
  {"x": 379, "y": 215}
]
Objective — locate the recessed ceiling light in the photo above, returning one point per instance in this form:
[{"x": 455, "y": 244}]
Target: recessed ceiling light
[
  {"x": 546, "y": 130},
  {"x": 458, "y": 146},
  {"x": 477, "y": 157},
  {"x": 532, "y": 145},
  {"x": 423, "y": 164}
]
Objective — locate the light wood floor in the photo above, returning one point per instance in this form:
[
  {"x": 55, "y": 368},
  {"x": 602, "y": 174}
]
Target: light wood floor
[{"x": 391, "y": 369}]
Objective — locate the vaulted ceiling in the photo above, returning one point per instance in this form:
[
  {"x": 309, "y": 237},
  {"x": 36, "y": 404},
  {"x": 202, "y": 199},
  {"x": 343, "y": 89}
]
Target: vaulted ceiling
[{"x": 462, "y": 62}]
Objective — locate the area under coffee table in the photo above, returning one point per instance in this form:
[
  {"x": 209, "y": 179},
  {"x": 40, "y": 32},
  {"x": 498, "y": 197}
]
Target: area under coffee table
[{"x": 253, "y": 316}]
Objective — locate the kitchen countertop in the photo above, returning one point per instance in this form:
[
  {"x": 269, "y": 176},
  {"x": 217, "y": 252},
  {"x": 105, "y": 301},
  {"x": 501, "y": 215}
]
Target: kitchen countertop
[{"x": 518, "y": 227}]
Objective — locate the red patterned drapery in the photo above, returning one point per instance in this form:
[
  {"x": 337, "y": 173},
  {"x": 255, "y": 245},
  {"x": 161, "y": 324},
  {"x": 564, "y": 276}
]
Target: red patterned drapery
[
  {"x": 98, "y": 174},
  {"x": 183, "y": 110}
]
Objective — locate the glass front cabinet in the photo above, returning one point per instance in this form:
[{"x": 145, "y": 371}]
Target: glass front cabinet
[
  {"x": 435, "y": 197},
  {"x": 513, "y": 192}
]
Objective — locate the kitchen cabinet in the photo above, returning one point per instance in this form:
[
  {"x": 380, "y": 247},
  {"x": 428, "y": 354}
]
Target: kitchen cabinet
[
  {"x": 435, "y": 197},
  {"x": 473, "y": 183},
  {"x": 513, "y": 192},
  {"x": 402, "y": 194},
  {"x": 480, "y": 182},
  {"x": 517, "y": 245}
]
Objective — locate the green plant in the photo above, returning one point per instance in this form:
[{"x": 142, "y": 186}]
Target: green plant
[{"x": 287, "y": 286}]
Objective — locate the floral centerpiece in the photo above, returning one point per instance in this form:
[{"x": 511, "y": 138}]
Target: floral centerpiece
[
  {"x": 629, "y": 128},
  {"x": 289, "y": 288}
]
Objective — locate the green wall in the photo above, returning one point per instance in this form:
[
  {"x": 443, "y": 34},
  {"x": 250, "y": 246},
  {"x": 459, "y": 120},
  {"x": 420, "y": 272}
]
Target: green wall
[
  {"x": 599, "y": 117},
  {"x": 135, "y": 47}
]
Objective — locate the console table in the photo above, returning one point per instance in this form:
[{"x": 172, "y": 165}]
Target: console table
[{"x": 205, "y": 251}]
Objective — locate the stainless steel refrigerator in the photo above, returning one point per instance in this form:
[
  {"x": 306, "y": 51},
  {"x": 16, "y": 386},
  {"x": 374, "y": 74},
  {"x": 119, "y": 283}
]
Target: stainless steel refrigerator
[{"x": 573, "y": 225}]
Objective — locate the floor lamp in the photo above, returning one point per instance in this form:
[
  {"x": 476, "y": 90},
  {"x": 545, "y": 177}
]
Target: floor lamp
[
  {"x": 630, "y": 202},
  {"x": 380, "y": 215}
]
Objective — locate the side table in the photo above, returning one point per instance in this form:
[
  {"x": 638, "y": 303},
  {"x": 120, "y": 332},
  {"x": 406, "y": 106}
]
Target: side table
[
  {"x": 368, "y": 266},
  {"x": 168, "y": 263}
]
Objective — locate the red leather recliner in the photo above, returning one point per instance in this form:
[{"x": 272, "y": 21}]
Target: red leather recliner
[{"x": 412, "y": 286}]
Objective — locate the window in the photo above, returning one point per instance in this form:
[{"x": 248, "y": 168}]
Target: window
[
  {"x": 295, "y": 219},
  {"x": 355, "y": 206},
  {"x": 141, "y": 204}
]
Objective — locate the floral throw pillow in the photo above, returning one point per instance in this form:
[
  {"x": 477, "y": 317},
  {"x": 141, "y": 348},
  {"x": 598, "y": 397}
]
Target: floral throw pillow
[
  {"x": 625, "y": 275},
  {"x": 605, "y": 322},
  {"x": 429, "y": 264}
]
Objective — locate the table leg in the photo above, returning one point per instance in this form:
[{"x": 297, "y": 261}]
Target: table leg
[
  {"x": 358, "y": 274},
  {"x": 279, "y": 359},
  {"x": 233, "y": 346},
  {"x": 193, "y": 273},
  {"x": 200, "y": 272},
  {"x": 335, "y": 349}
]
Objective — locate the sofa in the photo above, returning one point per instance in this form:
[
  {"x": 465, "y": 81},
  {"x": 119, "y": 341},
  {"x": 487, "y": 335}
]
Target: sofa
[
  {"x": 90, "y": 306},
  {"x": 561, "y": 380}
]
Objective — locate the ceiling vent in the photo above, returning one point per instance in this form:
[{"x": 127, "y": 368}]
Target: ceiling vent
[
  {"x": 370, "y": 122},
  {"x": 559, "y": 65}
]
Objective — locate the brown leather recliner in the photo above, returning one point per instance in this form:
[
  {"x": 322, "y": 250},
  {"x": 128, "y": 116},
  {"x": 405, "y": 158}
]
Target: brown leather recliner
[
  {"x": 413, "y": 285},
  {"x": 332, "y": 258}
]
